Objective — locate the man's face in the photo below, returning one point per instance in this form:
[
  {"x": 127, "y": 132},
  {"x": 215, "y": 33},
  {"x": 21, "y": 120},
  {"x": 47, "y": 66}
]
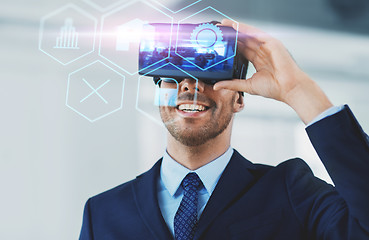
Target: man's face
[{"x": 195, "y": 120}]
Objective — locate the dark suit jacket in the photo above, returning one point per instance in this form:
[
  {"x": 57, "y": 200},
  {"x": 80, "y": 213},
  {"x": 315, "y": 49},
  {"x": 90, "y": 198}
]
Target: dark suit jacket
[{"x": 254, "y": 201}]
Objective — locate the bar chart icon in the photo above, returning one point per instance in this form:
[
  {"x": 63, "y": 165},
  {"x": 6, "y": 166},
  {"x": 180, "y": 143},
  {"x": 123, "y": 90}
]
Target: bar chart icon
[{"x": 68, "y": 36}]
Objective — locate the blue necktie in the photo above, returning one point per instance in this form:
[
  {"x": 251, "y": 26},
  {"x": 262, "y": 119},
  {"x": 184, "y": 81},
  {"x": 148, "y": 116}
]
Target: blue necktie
[{"x": 185, "y": 220}]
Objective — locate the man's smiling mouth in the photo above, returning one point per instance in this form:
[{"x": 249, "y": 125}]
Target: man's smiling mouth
[{"x": 192, "y": 107}]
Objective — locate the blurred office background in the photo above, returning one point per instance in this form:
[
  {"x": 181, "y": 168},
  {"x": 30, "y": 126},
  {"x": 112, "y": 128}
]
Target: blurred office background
[{"x": 52, "y": 159}]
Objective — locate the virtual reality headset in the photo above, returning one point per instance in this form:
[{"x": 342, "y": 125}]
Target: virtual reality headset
[{"x": 205, "y": 51}]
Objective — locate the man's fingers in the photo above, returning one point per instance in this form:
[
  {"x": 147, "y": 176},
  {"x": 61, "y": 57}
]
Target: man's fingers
[
  {"x": 250, "y": 50},
  {"x": 246, "y": 30},
  {"x": 250, "y": 39},
  {"x": 239, "y": 85},
  {"x": 254, "y": 54},
  {"x": 243, "y": 28},
  {"x": 227, "y": 22}
]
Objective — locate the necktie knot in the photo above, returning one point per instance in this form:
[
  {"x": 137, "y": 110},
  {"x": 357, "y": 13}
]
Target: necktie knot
[{"x": 191, "y": 182}]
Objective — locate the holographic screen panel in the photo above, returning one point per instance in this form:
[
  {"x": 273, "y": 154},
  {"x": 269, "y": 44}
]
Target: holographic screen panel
[
  {"x": 214, "y": 46},
  {"x": 151, "y": 96},
  {"x": 67, "y": 34},
  {"x": 199, "y": 47},
  {"x": 95, "y": 91},
  {"x": 122, "y": 30}
]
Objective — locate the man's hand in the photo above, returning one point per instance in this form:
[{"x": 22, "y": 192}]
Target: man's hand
[{"x": 277, "y": 74}]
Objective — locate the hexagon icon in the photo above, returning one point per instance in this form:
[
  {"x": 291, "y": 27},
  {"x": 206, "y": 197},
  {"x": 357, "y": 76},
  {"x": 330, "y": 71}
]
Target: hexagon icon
[
  {"x": 123, "y": 28},
  {"x": 211, "y": 44},
  {"x": 95, "y": 91},
  {"x": 175, "y": 6},
  {"x": 104, "y": 5},
  {"x": 150, "y": 96},
  {"x": 67, "y": 34}
]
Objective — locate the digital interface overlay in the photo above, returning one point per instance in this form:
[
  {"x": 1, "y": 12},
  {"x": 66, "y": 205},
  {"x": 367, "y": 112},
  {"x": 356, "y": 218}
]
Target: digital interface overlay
[
  {"x": 199, "y": 47},
  {"x": 185, "y": 45}
]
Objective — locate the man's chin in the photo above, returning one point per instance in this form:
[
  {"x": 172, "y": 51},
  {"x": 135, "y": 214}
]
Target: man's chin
[
  {"x": 191, "y": 140},
  {"x": 192, "y": 135}
]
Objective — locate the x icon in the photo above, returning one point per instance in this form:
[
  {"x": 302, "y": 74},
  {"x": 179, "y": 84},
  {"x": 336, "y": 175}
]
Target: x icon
[{"x": 95, "y": 90}]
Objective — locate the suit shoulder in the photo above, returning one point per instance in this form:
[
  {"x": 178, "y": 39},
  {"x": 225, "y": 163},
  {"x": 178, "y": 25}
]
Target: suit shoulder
[
  {"x": 298, "y": 175},
  {"x": 294, "y": 164},
  {"x": 289, "y": 169},
  {"x": 294, "y": 169},
  {"x": 285, "y": 166}
]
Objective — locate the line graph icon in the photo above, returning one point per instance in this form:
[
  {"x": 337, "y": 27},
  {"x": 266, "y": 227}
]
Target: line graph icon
[{"x": 68, "y": 37}]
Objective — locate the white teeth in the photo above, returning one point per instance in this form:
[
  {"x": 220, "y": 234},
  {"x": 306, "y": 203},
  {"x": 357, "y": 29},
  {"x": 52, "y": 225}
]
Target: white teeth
[{"x": 191, "y": 107}]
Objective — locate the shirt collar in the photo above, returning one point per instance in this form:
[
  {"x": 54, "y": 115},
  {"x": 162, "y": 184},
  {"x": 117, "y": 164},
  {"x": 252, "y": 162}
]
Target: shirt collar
[{"x": 172, "y": 173}]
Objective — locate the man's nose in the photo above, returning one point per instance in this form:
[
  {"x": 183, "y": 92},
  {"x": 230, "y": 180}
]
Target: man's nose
[{"x": 191, "y": 85}]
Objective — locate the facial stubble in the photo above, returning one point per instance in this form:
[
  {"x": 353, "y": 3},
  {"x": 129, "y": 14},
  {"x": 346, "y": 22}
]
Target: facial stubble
[{"x": 219, "y": 121}]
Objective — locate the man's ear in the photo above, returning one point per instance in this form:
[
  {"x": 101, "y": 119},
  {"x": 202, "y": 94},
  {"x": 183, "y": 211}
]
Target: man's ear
[{"x": 238, "y": 103}]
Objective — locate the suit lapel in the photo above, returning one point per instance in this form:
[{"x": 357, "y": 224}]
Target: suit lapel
[
  {"x": 145, "y": 193},
  {"x": 235, "y": 179}
]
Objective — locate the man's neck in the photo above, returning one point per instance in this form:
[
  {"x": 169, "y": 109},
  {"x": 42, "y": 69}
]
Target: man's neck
[{"x": 194, "y": 157}]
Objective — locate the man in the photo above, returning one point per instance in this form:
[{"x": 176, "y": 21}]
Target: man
[{"x": 203, "y": 189}]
